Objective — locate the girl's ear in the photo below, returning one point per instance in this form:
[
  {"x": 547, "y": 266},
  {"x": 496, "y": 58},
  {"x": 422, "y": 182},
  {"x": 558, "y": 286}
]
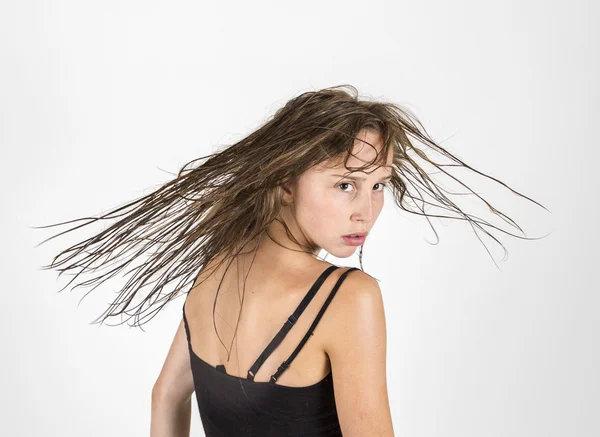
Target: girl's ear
[{"x": 287, "y": 195}]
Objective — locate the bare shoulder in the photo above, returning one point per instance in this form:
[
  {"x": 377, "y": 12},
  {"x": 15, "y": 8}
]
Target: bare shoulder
[
  {"x": 355, "y": 341},
  {"x": 359, "y": 291},
  {"x": 357, "y": 305}
]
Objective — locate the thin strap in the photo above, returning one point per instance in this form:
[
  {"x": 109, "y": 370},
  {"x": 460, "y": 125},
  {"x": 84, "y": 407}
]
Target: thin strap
[
  {"x": 287, "y": 362},
  {"x": 185, "y": 323},
  {"x": 289, "y": 323}
]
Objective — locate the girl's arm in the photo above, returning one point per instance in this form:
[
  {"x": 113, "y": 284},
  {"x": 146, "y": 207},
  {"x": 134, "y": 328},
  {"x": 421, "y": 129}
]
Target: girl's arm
[
  {"x": 355, "y": 333},
  {"x": 172, "y": 392}
]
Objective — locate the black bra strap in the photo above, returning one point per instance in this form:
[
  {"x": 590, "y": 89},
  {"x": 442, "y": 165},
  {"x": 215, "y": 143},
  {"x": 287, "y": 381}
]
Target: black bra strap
[
  {"x": 185, "y": 323},
  {"x": 287, "y": 362},
  {"x": 289, "y": 323}
]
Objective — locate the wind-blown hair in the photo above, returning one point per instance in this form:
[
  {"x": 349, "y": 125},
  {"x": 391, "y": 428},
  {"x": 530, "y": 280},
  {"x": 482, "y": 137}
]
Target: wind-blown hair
[{"x": 218, "y": 204}]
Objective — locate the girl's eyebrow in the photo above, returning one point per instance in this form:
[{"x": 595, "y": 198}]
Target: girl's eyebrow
[{"x": 359, "y": 178}]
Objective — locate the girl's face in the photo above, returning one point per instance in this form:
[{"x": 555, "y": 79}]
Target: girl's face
[{"x": 327, "y": 204}]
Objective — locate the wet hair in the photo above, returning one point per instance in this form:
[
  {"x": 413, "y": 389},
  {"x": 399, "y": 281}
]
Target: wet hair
[{"x": 218, "y": 204}]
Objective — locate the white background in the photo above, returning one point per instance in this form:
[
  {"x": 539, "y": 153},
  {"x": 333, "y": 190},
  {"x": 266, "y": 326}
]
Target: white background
[{"x": 101, "y": 101}]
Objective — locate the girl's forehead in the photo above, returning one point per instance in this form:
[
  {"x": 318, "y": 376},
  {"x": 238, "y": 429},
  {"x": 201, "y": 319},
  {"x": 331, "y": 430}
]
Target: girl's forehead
[
  {"x": 356, "y": 160},
  {"x": 327, "y": 169}
]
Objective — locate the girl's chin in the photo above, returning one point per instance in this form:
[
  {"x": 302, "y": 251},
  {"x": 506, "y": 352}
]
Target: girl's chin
[{"x": 343, "y": 252}]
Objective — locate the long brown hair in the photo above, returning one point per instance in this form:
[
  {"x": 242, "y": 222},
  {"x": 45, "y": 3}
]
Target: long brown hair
[{"x": 218, "y": 204}]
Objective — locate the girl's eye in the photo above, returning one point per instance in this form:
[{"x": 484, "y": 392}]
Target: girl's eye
[{"x": 348, "y": 183}]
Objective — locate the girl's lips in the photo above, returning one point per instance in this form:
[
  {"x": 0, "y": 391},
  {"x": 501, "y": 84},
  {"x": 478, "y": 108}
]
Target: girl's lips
[
  {"x": 358, "y": 234},
  {"x": 354, "y": 241}
]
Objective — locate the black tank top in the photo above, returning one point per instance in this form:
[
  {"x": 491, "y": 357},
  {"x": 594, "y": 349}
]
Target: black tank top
[{"x": 232, "y": 406}]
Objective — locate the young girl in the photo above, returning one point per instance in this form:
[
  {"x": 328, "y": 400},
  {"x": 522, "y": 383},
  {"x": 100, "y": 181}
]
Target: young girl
[{"x": 274, "y": 340}]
